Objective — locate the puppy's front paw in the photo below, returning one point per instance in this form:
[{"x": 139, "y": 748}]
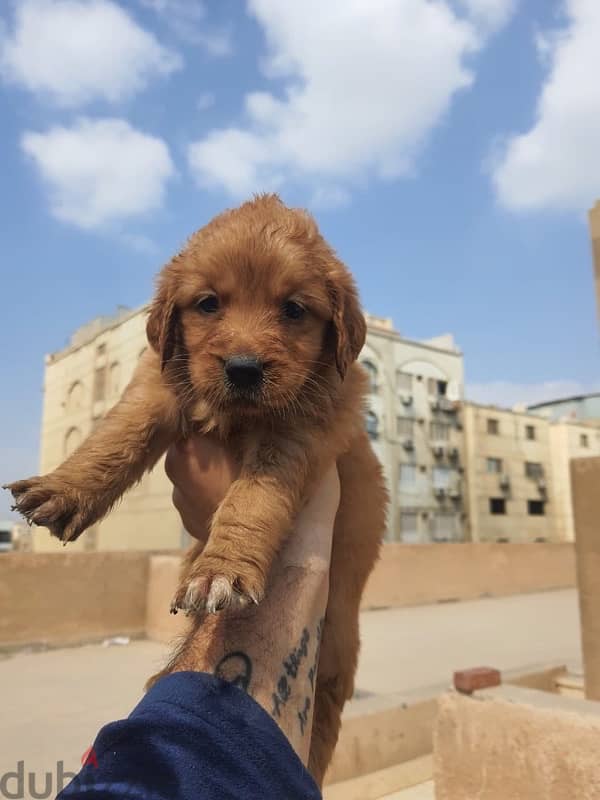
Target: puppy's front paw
[
  {"x": 48, "y": 501},
  {"x": 214, "y": 583}
]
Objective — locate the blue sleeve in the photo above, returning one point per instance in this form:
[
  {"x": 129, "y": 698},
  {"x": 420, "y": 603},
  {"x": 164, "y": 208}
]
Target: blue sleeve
[{"x": 193, "y": 737}]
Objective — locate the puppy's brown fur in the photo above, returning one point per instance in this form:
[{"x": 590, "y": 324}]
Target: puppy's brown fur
[{"x": 308, "y": 412}]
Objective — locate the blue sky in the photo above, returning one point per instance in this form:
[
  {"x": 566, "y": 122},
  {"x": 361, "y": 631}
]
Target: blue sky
[{"x": 449, "y": 149}]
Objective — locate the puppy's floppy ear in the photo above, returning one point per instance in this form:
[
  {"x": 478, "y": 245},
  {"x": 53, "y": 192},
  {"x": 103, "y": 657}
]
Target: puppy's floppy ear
[
  {"x": 348, "y": 321},
  {"x": 162, "y": 327}
]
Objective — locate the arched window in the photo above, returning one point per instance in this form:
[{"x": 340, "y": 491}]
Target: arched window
[
  {"x": 75, "y": 396},
  {"x": 72, "y": 440},
  {"x": 372, "y": 425},
  {"x": 114, "y": 378},
  {"x": 372, "y": 372}
]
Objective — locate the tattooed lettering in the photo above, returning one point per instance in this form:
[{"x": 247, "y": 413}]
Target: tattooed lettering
[
  {"x": 281, "y": 696},
  {"x": 303, "y": 715},
  {"x": 312, "y": 672},
  {"x": 235, "y": 668},
  {"x": 293, "y": 661},
  {"x": 291, "y": 665}
]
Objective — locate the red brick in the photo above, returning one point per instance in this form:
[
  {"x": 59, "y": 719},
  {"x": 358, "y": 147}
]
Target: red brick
[{"x": 468, "y": 681}]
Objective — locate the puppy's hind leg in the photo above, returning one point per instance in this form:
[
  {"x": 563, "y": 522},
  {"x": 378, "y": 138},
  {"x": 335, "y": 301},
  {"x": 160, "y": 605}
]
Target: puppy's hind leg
[{"x": 126, "y": 443}]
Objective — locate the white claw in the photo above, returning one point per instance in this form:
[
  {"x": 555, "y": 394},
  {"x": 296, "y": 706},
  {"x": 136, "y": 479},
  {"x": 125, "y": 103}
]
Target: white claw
[{"x": 220, "y": 595}]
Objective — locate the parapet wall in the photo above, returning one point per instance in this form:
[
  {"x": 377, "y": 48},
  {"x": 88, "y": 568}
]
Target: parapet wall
[{"x": 65, "y": 598}]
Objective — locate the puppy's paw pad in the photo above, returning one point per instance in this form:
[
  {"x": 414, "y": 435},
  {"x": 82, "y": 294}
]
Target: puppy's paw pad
[{"x": 49, "y": 503}]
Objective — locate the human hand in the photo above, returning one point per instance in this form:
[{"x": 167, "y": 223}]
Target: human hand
[{"x": 201, "y": 470}]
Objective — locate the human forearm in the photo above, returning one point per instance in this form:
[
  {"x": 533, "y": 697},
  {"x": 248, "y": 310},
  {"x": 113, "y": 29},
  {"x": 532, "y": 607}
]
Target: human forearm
[{"x": 269, "y": 651}]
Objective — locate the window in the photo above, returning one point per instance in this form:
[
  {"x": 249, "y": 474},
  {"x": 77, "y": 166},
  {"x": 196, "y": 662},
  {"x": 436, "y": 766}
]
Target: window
[
  {"x": 536, "y": 508},
  {"x": 533, "y": 469},
  {"x": 407, "y": 476},
  {"x": 409, "y": 526},
  {"x": 99, "y": 384},
  {"x": 436, "y": 387},
  {"x": 441, "y": 477},
  {"x": 405, "y": 427},
  {"x": 493, "y": 427},
  {"x": 444, "y": 526},
  {"x": 494, "y": 465},
  {"x": 404, "y": 381},
  {"x": 439, "y": 431},
  {"x": 497, "y": 505},
  {"x": 75, "y": 397},
  {"x": 114, "y": 379},
  {"x": 72, "y": 440},
  {"x": 584, "y": 440},
  {"x": 372, "y": 372},
  {"x": 530, "y": 432},
  {"x": 372, "y": 425}
]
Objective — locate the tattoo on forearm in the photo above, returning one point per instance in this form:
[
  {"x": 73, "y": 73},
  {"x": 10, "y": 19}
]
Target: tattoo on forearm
[
  {"x": 291, "y": 665},
  {"x": 303, "y": 715},
  {"x": 235, "y": 668}
]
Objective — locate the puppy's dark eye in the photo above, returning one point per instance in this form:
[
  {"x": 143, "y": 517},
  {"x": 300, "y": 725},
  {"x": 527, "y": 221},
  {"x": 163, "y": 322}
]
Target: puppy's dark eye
[
  {"x": 293, "y": 310},
  {"x": 209, "y": 304}
]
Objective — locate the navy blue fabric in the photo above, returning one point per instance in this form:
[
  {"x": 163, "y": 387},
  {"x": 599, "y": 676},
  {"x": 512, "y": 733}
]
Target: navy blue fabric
[{"x": 193, "y": 737}]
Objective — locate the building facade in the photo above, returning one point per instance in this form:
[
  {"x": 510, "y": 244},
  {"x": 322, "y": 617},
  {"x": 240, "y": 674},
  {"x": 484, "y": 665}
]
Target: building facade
[
  {"x": 517, "y": 473},
  {"x": 413, "y": 420}
]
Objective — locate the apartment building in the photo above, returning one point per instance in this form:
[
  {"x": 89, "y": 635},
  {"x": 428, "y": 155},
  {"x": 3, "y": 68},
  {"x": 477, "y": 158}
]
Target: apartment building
[
  {"x": 413, "y": 420},
  {"x": 517, "y": 473},
  {"x": 81, "y": 383}
]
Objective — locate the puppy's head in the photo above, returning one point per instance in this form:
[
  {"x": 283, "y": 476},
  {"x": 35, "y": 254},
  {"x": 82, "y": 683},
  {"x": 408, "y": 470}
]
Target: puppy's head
[{"x": 259, "y": 310}]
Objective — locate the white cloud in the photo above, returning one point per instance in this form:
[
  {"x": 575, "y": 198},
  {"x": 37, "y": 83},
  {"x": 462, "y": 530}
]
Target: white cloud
[
  {"x": 365, "y": 82},
  {"x": 187, "y": 20},
  {"x": 77, "y": 51},
  {"x": 490, "y": 14},
  {"x": 555, "y": 163},
  {"x": 507, "y": 394},
  {"x": 100, "y": 171}
]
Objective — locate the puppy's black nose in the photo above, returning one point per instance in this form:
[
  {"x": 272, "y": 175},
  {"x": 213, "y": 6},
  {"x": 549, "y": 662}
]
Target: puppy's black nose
[{"x": 244, "y": 372}]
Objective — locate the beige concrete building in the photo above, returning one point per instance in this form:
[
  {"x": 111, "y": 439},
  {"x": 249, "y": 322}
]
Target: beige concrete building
[
  {"x": 413, "y": 423},
  {"x": 81, "y": 383},
  {"x": 517, "y": 473}
]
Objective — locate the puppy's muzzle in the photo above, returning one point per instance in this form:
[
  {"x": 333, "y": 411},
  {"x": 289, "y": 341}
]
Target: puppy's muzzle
[{"x": 244, "y": 372}]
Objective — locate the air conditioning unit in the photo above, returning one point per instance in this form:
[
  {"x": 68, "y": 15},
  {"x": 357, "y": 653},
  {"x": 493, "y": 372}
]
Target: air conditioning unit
[
  {"x": 435, "y": 404},
  {"x": 505, "y": 482},
  {"x": 408, "y": 444},
  {"x": 406, "y": 399},
  {"x": 542, "y": 485},
  {"x": 454, "y": 492},
  {"x": 453, "y": 452},
  {"x": 439, "y": 492},
  {"x": 438, "y": 450}
]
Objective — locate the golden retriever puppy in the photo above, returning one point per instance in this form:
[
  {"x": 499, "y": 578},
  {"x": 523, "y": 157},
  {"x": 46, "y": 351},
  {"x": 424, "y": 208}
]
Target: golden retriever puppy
[{"x": 254, "y": 331}]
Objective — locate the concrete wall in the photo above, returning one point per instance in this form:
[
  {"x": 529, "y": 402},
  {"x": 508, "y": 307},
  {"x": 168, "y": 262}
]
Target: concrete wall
[
  {"x": 585, "y": 473},
  {"x": 409, "y": 575},
  {"x": 72, "y": 597},
  {"x": 516, "y": 743}
]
